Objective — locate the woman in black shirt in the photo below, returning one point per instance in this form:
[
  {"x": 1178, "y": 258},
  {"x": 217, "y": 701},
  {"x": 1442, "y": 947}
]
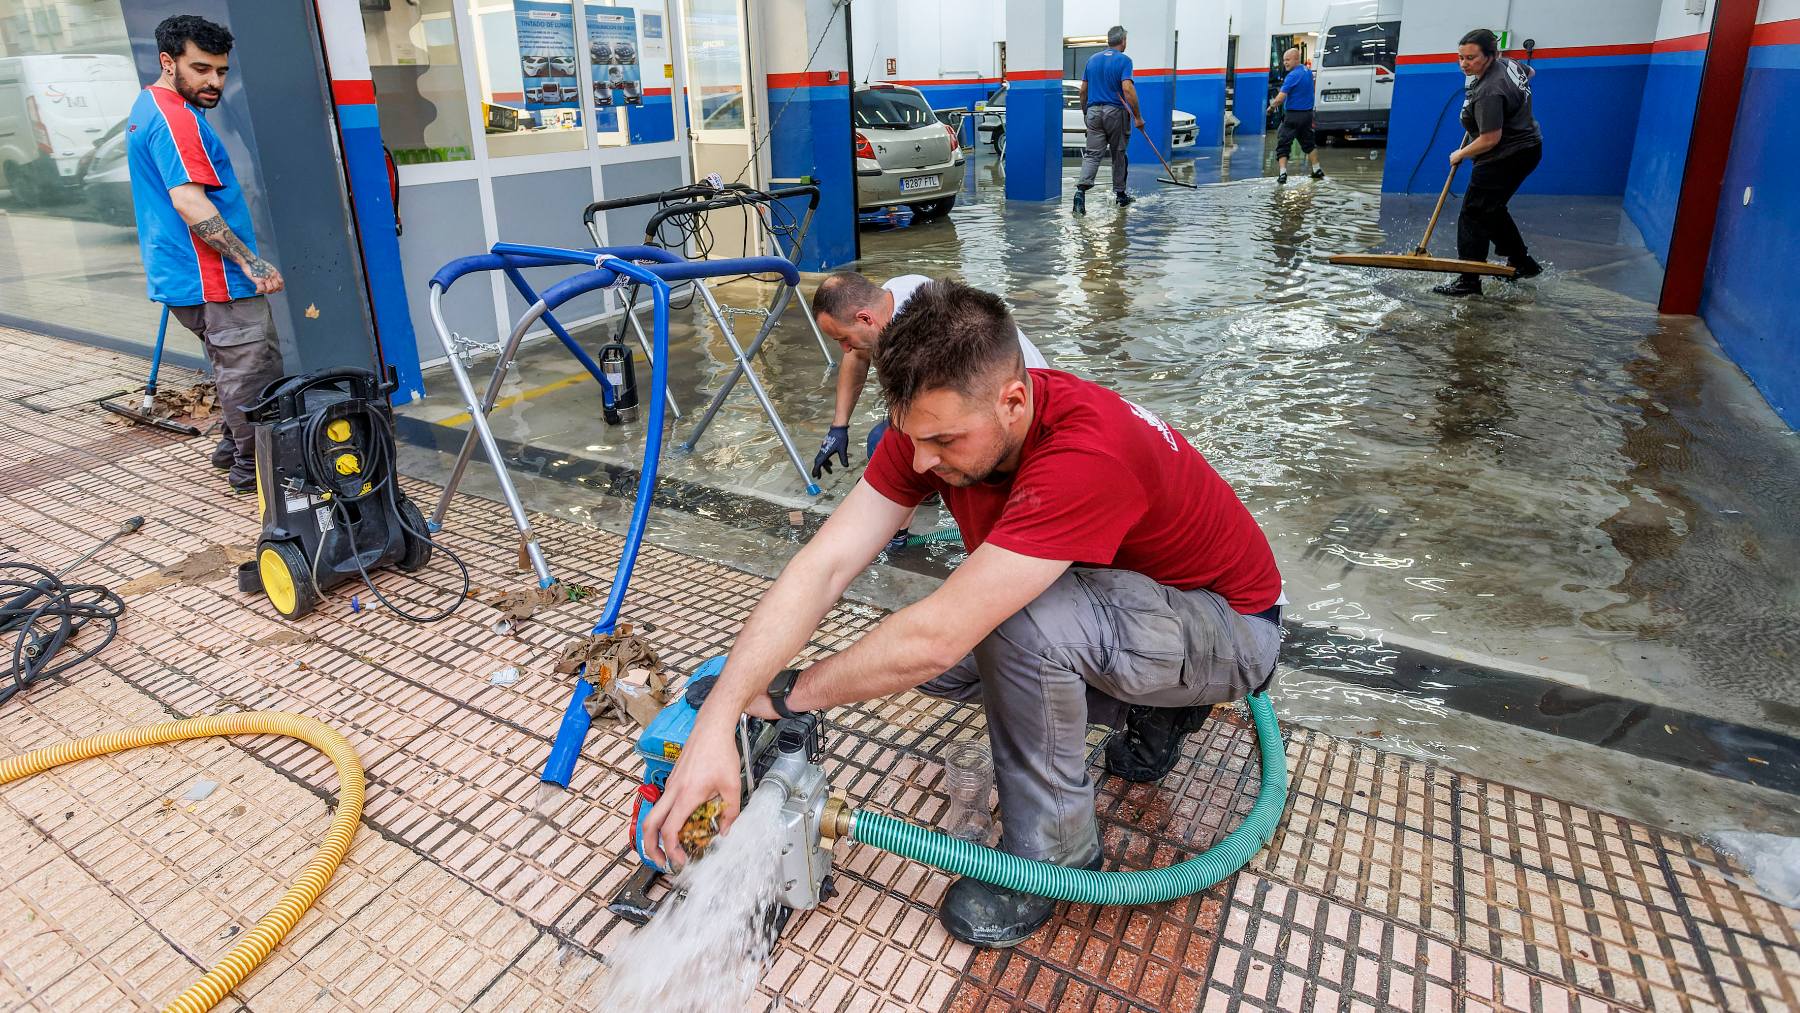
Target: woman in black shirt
[{"x": 1506, "y": 145}]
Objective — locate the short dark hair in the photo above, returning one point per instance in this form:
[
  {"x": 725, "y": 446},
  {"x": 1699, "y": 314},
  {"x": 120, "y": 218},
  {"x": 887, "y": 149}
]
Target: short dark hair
[
  {"x": 840, "y": 295},
  {"x": 1115, "y": 35},
  {"x": 1482, "y": 37},
  {"x": 949, "y": 335},
  {"x": 173, "y": 35}
]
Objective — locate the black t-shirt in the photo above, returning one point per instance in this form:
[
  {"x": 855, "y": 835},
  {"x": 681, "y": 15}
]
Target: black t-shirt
[{"x": 1501, "y": 98}]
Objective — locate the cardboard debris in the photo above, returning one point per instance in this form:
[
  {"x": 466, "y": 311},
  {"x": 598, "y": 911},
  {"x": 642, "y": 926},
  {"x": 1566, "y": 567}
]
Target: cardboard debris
[{"x": 605, "y": 660}]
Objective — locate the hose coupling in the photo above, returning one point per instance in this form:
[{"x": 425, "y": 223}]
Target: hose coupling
[{"x": 836, "y": 821}]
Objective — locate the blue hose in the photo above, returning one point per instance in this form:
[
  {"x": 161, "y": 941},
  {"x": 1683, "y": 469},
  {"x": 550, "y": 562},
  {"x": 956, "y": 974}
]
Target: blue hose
[{"x": 1085, "y": 886}]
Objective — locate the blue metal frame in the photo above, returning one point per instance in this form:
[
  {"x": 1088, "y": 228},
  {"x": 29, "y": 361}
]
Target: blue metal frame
[{"x": 611, "y": 265}]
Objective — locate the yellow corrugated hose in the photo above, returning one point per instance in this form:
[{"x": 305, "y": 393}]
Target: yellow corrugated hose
[{"x": 237, "y": 964}]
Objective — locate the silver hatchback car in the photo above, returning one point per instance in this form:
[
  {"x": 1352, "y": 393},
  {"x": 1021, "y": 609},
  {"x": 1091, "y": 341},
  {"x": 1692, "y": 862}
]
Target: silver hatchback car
[{"x": 904, "y": 154}]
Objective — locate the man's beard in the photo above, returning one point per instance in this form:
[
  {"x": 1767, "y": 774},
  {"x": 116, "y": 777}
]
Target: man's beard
[
  {"x": 989, "y": 475},
  {"x": 203, "y": 99}
]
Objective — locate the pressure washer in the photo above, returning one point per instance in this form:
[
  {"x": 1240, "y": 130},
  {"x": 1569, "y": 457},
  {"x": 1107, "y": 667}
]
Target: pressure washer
[
  {"x": 331, "y": 506},
  {"x": 784, "y": 757}
]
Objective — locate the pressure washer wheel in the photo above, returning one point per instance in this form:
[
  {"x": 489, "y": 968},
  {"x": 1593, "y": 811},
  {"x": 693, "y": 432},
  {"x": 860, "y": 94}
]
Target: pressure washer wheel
[
  {"x": 286, "y": 579},
  {"x": 417, "y": 554}
]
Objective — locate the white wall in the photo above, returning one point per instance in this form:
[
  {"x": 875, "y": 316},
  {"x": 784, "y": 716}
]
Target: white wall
[
  {"x": 1089, "y": 17},
  {"x": 1675, "y": 21},
  {"x": 928, "y": 40},
  {"x": 1288, "y": 17},
  {"x": 1433, "y": 26},
  {"x": 1777, "y": 10}
]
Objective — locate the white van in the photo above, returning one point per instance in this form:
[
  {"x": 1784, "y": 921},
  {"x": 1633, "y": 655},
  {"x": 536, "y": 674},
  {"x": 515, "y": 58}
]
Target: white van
[
  {"x": 1354, "y": 74},
  {"x": 52, "y": 110}
]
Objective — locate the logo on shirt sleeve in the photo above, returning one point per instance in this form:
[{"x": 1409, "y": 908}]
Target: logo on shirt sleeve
[{"x": 1153, "y": 422}]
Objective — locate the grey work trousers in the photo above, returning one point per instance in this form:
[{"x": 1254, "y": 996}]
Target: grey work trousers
[
  {"x": 1108, "y": 126},
  {"x": 241, "y": 345},
  {"x": 1096, "y": 640}
]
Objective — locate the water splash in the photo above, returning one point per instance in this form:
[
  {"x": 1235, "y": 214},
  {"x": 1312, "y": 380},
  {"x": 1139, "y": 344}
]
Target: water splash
[{"x": 706, "y": 948}]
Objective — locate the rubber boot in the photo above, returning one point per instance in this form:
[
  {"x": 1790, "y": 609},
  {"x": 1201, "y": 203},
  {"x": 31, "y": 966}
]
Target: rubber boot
[
  {"x": 225, "y": 453},
  {"x": 1465, "y": 284},
  {"x": 1150, "y": 743},
  {"x": 1525, "y": 266},
  {"x": 1081, "y": 200},
  {"x": 981, "y": 914}
]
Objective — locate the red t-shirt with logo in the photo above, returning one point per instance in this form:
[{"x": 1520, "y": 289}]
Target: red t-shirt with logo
[{"x": 1103, "y": 482}]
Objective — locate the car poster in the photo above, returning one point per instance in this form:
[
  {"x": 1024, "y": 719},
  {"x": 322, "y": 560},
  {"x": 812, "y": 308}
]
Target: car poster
[
  {"x": 614, "y": 50},
  {"x": 546, "y": 31}
]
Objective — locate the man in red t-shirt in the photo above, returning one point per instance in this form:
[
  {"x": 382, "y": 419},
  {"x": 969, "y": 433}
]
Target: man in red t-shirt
[{"x": 1112, "y": 576}]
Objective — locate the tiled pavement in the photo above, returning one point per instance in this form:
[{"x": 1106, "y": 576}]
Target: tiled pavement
[{"x": 1391, "y": 885}]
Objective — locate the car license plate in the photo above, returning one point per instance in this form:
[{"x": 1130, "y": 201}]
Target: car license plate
[
  {"x": 912, "y": 183},
  {"x": 1340, "y": 95}
]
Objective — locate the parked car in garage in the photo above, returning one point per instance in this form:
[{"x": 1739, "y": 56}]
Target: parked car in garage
[
  {"x": 904, "y": 154},
  {"x": 992, "y": 123}
]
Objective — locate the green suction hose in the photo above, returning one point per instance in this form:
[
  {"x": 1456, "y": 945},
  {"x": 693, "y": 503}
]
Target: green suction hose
[{"x": 1083, "y": 886}]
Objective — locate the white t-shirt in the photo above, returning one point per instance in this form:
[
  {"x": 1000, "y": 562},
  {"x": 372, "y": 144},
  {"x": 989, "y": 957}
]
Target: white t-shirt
[{"x": 905, "y": 285}]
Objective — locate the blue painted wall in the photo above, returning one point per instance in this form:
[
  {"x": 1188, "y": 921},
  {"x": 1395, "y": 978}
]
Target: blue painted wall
[
  {"x": 1665, "y": 122},
  {"x": 1203, "y": 95},
  {"x": 365, "y": 163},
  {"x": 1034, "y": 139},
  {"x": 1587, "y": 107},
  {"x": 813, "y": 139},
  {"x": 1156, "y": 101},
  {"x": 655, "y": 119},
  {"x": 1751, "y": 303},
  {"x": 957, "y": 94}
]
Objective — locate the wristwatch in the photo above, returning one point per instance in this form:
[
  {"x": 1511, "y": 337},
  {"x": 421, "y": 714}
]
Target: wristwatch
[{"x": 780, "y": 687}]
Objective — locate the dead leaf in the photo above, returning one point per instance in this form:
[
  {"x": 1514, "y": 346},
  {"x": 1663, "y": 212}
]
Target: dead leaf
[
  {"x": 1757, "y": 759},
  {"x": 1669, "y": 729},
  {"x": 312, "y": 311}
]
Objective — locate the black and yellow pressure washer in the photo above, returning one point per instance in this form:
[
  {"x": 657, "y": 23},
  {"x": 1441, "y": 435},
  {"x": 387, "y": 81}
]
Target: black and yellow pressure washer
[{"x": 331, "y": 507}]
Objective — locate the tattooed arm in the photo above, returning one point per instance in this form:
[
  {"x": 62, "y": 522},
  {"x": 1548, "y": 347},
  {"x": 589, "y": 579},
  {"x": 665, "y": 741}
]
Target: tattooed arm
[{"x": 204, "y": 220}]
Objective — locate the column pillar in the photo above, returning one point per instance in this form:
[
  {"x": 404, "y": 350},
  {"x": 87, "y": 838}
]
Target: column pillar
[
  {"x": 1034, "y": 59},
  {"x": 812, "y": 136},
  {"x": 1150, "y": 42},
  {"x": 1200, "y": 67}
]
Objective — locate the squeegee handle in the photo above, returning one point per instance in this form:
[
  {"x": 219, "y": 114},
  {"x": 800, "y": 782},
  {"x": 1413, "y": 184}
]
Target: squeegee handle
[{"x": 1424, "y": 244}]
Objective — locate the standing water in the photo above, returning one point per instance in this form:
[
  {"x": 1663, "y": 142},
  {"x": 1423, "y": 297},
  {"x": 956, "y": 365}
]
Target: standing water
[{"x": 707, "y": 945}]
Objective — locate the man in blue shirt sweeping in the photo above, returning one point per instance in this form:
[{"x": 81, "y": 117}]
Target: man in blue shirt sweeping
[
  {"x": 1297, "y": 120},
  {"x": 1109, "y": 106},
  {"x": 194, "y": 230}
]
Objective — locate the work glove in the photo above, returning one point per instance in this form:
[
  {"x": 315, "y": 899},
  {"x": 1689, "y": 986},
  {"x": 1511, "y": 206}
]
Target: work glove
[{"x": 837, "y": 441}]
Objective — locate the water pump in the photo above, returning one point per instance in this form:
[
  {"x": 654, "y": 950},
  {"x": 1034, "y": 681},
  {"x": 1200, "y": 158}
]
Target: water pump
[{"x": 780, "y": 757}]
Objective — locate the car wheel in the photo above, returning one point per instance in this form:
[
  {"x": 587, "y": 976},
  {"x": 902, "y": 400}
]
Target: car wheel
[{"x": 1000, "y": 143}]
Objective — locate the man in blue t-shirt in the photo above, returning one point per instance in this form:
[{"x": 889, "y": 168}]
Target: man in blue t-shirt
[
  {"x": 194, "y": 229},
  {"x": 1109, "y": 106},
  {"x": 1297, "y": 120}
]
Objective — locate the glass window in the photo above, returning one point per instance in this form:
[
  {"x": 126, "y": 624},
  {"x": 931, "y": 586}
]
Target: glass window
[
  {"x": 891, "y": 108},
  {"x": 715, "y": 65},
  {"x": 530, "y": 76},
  {"x": 68, "y": 237},
  {"x": 1372, "y": 43},
  {"x": 1071, "y": 96},
  {"x": 418, "y": 78},
  {"x": 630, "y": 66}
]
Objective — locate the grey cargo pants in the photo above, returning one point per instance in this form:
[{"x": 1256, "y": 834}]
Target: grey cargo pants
[
  {"x": 240, "y": 342},
  {"x": 1108, "y": 126},
  {"x": 1096, "y": 640}
]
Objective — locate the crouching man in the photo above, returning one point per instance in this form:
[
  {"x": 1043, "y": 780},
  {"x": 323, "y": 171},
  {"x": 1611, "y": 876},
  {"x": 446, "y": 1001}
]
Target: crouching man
[{"x": 1113, "y": 577}]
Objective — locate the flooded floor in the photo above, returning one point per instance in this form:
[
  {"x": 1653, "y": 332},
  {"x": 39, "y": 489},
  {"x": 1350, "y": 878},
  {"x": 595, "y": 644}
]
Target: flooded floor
[{"x": 1551, "y": 481}]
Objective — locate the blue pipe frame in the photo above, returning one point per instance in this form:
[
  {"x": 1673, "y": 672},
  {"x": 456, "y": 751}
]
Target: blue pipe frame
[{"x": 611, "y": 266}]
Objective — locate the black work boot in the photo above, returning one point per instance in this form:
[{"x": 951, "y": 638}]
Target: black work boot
[
  {"x": 1525, "y": 267},
  {"x": 981, "y": 914},
  {"x": 242, "y": 477},
  {"x": 225, "y": 454},
  {"x": 1123, "y": 198},
  {"x": 1081, "y": 200},
  {"x": 1318, "y": 172},
  {"x": 1465, "y": 284},
  {"x": 1150, "y": 743}
]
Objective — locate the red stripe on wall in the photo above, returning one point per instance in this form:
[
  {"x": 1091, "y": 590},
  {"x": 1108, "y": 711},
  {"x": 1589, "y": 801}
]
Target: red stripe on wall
[
  {"x": 810, "y": 79},
  {"x": 1034, "y": 75},
  {"x": 1152, "y": 71},
  {"x": 1265, "y": 70},
  {"x": 353, "y": 93},
  {"x": 944, "y": 81},
  {"x": 659, "y": 91},
  {"x": 1682, "y": 44},
  {"x": 213, "y": 287},
  {"x": 1625, "y": 49},
  {"x": 1777, "y": 33},
  {"x": 1196, "y": 71}
]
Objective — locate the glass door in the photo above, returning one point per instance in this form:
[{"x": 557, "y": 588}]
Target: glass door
[{"x": 721, "y": 108}]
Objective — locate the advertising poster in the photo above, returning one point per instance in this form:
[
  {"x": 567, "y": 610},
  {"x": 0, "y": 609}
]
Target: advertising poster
[
  {"x": 547, "y": 59},
  {"x": 616, "y": 57}
]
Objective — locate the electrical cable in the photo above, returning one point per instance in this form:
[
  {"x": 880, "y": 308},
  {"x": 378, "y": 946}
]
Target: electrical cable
[
  {"x": 377, "y": 461},
  {"x": 774, "y": 122},
  {"x": 44, "y": 615}
]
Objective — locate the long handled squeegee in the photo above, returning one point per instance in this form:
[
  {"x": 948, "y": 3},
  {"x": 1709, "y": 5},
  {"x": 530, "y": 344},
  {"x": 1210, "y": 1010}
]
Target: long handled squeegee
[
  {"x": 1420, "y": 259},
  {"x": 145, "y": 413}
]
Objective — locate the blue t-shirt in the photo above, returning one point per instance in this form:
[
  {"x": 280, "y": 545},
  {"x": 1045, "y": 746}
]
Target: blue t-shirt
[
  {"x": 168, "y": 142},
  {"x": 1105, "y": 72},
  {"x": 1299, "y": 87}
]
